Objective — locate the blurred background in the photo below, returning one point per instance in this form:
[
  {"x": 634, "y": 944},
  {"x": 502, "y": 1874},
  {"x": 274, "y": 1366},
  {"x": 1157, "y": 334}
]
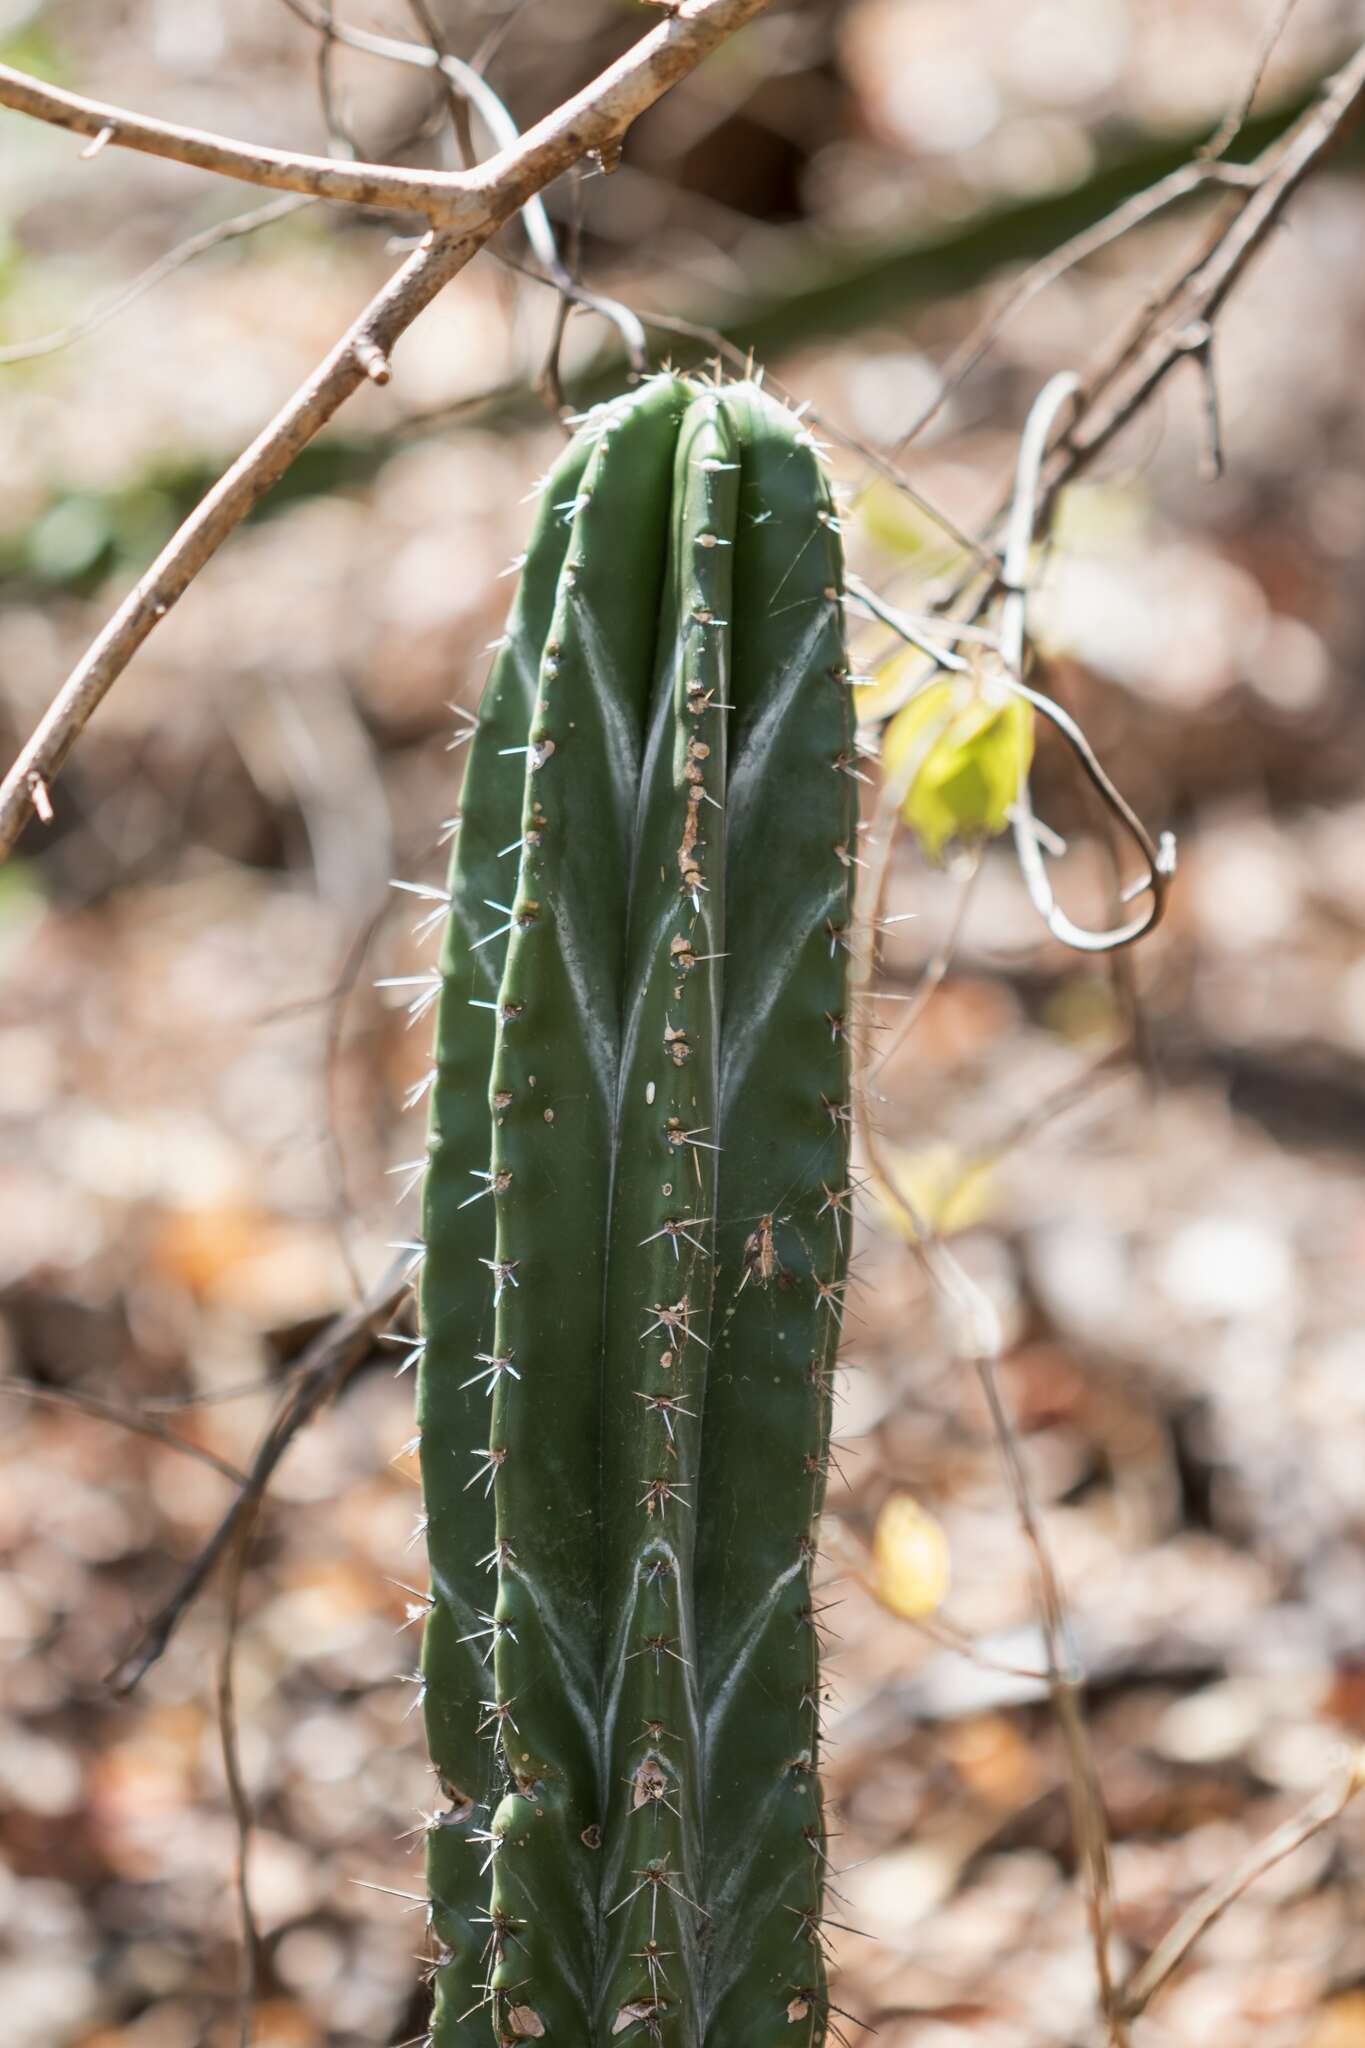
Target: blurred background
[{"x": 1153, "y": 1167}]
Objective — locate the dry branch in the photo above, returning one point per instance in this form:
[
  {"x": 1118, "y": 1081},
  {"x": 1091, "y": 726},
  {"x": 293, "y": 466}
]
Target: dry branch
[
  {"x": 594, "y": 119},
  {"x": 327, "y": 1364},
  {"x": 1171, "y": 1951},
  {"x": 138, "y": 1421},
  {"x": 1181, "y": 323},
  {"x": 444, "y": 198}
]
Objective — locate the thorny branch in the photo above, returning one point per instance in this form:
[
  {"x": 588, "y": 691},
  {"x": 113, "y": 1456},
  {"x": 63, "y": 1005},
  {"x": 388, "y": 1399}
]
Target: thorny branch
[
  {"x": 1175, "y": 325},
  {"x": 469, "y": 206}
]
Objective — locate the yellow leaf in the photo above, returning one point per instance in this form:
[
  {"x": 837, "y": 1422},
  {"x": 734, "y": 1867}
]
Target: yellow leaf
[
  {"x": 912, "y": 1565},
  {"x": 946, "y": 1188},
  {"x": 959, "y": 750},
  {"x": 894, "y": 523},
  {"x": 891, "y": 687}
]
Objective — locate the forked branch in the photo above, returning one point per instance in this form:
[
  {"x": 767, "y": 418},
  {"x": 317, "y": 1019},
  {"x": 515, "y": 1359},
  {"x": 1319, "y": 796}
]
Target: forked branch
[
  {"x": 595, "y": 118},
  {"x": 477, "y": 201}
]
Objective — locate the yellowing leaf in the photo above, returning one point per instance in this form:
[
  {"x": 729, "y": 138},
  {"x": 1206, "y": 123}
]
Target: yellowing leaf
[
  {"x": 890, "y": 688},
  {"x": 947, "y": 1189},
  {"x": 960, "y": 750},
  {"x": 912, "y": 1567},
  {"x": 896, "y": 524}
]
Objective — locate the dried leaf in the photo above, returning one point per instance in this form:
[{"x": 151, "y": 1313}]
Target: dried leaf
[{"x": 634, "y": 2010}]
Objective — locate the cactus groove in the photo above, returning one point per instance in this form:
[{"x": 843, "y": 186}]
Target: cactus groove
[{"x": 636, "y": 1229}]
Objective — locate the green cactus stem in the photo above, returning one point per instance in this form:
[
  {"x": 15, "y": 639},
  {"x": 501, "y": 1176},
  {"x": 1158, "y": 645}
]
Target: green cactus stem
[{"x": 636, "y": 1229}]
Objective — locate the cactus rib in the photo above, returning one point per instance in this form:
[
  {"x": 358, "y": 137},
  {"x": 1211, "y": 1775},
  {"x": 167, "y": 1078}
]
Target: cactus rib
[{"x": 459, "y": 1283}]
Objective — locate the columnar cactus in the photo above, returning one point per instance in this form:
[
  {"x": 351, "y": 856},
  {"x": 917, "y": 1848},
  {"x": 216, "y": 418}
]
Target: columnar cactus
[{"x": 636, "y": 1230}]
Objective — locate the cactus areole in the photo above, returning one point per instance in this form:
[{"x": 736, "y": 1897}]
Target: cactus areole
[{"x": 636, "y": 1228}]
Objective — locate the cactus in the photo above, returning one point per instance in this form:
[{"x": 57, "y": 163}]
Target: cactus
[{"x": 636, "y": 1231}]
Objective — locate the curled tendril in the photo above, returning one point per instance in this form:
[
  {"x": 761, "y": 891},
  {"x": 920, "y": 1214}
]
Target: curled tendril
[{"x": 1031, "y": 839}]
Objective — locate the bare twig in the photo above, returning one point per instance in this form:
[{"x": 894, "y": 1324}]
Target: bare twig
[
  {"x": 1236, "y": 117},
  {"x": 339, "y": 131},
  {"x": 978, "y": 1343},
  {"x": 978, "y": 1337},
  {"x": 457, "y": 102},
  {"x": 1171, "y": 1951},
  {"x": 444, "y": 198},
  {"x": 466, "y": 85},
  {"x": 1089, "y": 1827},
  {"x": 1143, "y": 206},
  {"x": 1209, "y": 169},
  {"x": 138, "y": 1421},
  {"x": 238, "y": 1799},
  {"x": 594, "y": 117},
  {"x": 1179, "y": 324},
  {"x": 936, "y": 970},
  {"x": 325, "y": 1367},
  {"x": 155, "y": 273}
]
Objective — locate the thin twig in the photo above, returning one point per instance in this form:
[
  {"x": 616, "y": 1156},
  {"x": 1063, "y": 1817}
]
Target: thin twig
[
  {"x": 238, "y": 1799},
  {"x": 1209, "y": 169},
  {"x": 457, "y": 102},
  {"x": 936, "y": 970},
  {"x": 978, "y": 1337},
  {"x": 466, "y": 85},
  {"x": 343, "y": 1208},
  {"x": 137, "y": 1421},
  {"x": 1139, "y": 1990},
  {"x": 326, "y": 1365},
  {"x": 155, "y": 273},
  {"x": 1089, "y": 1826},
  {"x": 344, "y": 144},
  {"x": 1236, "y": 117},
  {"x": 1165, "y": 335},
  {"x": 1159, "y": 854},
  {"x": 594, "y": 117},
  {"x": 978, "y": 1343},
  {"x": 1177, "y": 322},
  {"x": 1132, "y": 213},
  {"x": 445, "y": 198}
]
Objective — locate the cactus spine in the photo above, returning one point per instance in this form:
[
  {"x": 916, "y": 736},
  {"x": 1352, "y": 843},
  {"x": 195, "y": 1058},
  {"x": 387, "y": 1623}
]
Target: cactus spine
[{"x": 636, "y": 1237}]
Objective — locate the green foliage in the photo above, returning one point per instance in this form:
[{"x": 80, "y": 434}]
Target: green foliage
[{"x": 636, "y": 1239}]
